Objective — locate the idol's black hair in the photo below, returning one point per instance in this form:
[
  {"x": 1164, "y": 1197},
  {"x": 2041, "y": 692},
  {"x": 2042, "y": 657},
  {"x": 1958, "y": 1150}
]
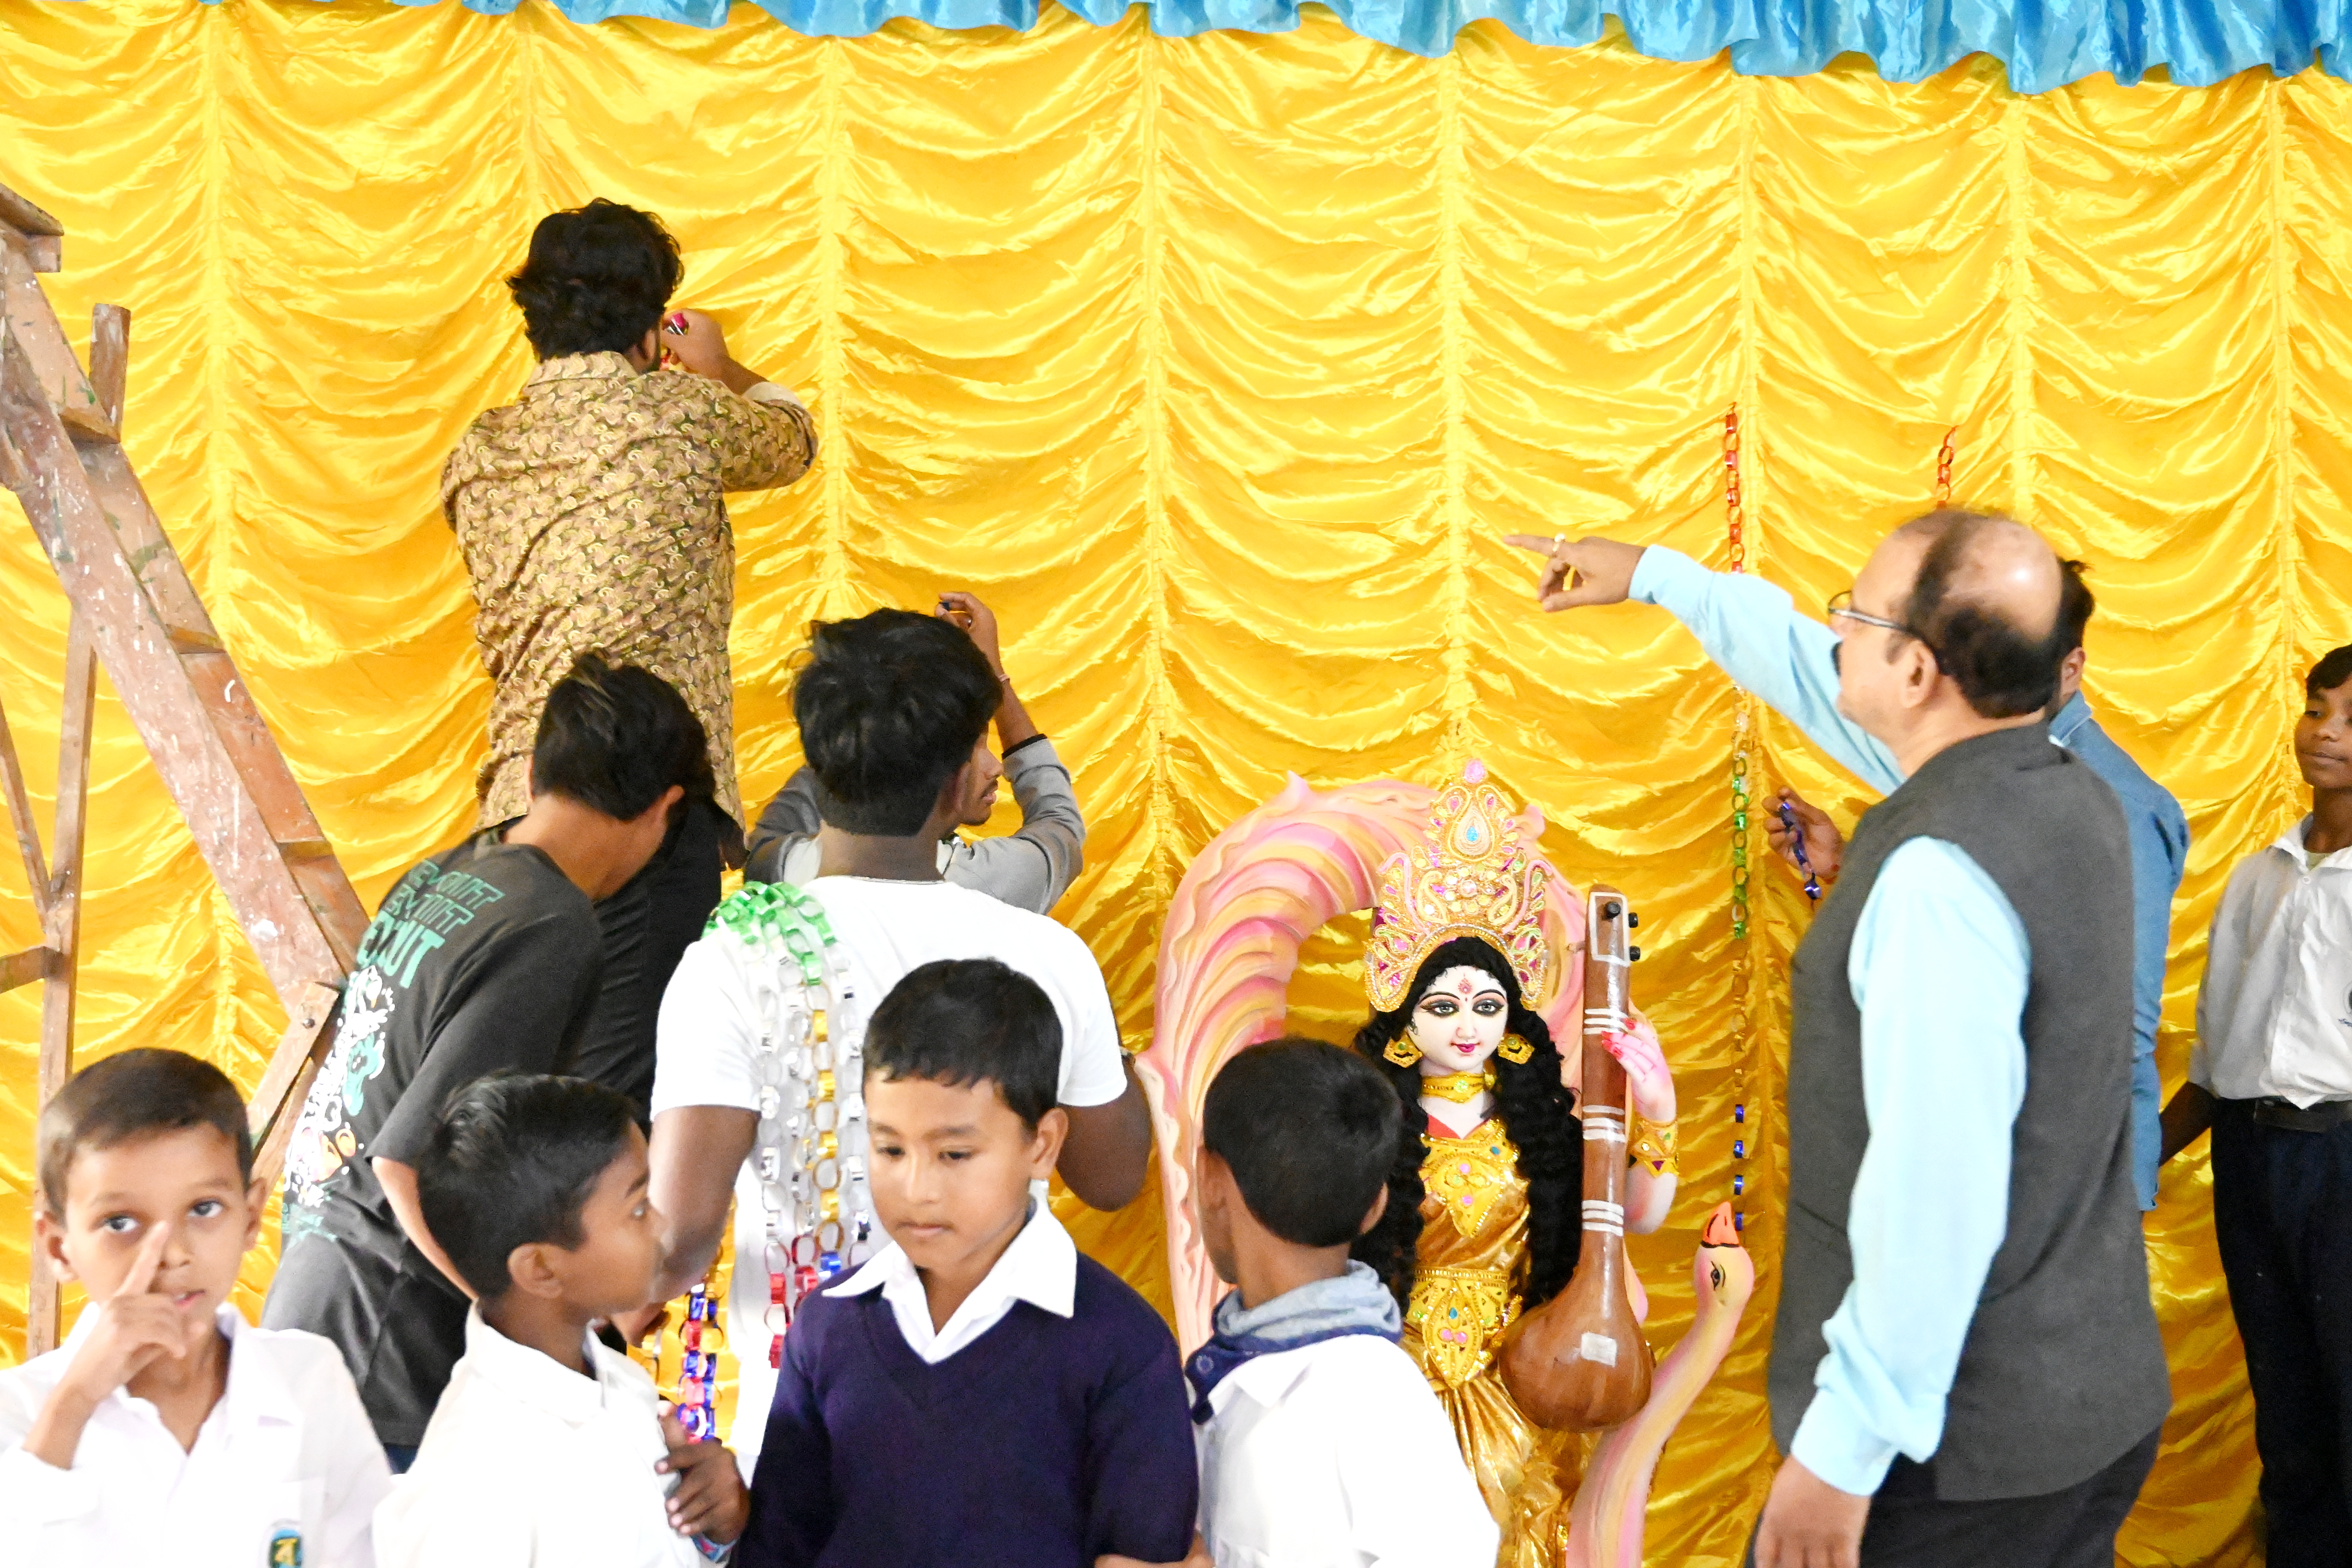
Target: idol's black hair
[
  {"x": 889, "y": 706},
  {"x": 1536, "y": 1115},
  {"x": 513, "y": 1161},
  {"x": 1309, "y": 1131},
  {"x": 614, "y": 737},
  {"x": 961, "y": 1021},
  {"x": 2332, "y": 670},
  {"x": 2001, "y": 669},
  {"x": 596, "y": 279},
  {"x": 131, "y": 1095}
]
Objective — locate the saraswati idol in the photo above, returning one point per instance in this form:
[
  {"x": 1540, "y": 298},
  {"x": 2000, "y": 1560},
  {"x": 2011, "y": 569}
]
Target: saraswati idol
[{"x": 1471, "y": 973}]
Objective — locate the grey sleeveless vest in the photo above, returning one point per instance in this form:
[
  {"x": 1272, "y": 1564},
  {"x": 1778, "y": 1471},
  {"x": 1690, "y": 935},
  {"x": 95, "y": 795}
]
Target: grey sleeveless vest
[{"x": 2063, "y": 1370}]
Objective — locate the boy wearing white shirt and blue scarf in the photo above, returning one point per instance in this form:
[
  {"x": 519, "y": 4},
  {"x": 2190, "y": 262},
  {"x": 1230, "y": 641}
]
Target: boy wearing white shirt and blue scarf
[{"x": 1320, "y": 1442}]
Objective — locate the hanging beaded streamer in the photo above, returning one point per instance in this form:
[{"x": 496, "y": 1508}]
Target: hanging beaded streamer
[
  {"x": 1797, "y": 842},
  {"x": 810, "y": 1152},
  {"x": 698, "y": 1373},
  {"x": 1944, "y": 468},
  {"x": 1743, "y": 732}
]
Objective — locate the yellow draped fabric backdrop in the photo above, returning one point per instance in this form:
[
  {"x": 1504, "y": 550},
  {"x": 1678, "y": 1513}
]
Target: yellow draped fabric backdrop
[{"x": 1219, "y": 366}]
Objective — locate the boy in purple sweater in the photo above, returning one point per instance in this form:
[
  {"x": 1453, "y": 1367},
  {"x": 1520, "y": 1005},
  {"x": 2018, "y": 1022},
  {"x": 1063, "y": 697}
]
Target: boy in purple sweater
[{"x": 979, "y": 1394}]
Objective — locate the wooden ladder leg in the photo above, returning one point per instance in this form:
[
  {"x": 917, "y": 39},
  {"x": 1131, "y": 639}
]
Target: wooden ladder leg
[{"x": 62, "y": 934}]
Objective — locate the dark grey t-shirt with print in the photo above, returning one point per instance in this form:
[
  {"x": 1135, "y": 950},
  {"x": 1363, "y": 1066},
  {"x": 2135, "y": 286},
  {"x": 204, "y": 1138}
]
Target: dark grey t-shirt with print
[{"x": 484, "y": 957}]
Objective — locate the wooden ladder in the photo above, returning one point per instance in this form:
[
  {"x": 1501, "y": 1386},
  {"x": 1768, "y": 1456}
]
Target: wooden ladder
[{"x": 134, "y": 611}]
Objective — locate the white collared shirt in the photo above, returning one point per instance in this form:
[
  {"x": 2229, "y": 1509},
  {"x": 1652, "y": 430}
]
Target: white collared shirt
[
  {"x": 527, "y": 1462},
  {"x": 1040, "y": 1268},
  {"x": 286, "y": 1456},
  {"x": 1337, "y": 1455},
  {"x": 2274, "y": 1013}
]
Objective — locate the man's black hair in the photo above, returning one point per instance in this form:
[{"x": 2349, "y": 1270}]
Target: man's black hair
[
  {"x": 131, "y": 1095},
  {"x": 1308, "y": 1130},
  {"x": 2002, "y": 671},
  {"x": 513, "y": 1161},
  {"x": 2075, "y": 606},
  {"x": 961, "y": 1021},
  {"x": 596, "y": 279},
  {"x": 889, "y": 706},
  {"x": 614, "y": 737},
  {"x": 2332, "y": 670}
]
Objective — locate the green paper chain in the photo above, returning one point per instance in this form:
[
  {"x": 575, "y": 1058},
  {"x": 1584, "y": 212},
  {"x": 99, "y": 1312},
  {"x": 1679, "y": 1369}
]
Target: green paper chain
[{"x": 777, "y": 919}]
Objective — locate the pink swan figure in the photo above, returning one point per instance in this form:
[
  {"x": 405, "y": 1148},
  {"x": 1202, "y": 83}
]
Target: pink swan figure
[
  {"x": 1605, "y": 1523},
  {"x": 1256, "y": 893}
]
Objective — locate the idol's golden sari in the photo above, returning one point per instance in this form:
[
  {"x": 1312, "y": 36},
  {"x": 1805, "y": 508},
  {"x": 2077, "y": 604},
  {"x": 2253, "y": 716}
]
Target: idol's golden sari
[{"x": 1469, "y": 1270}]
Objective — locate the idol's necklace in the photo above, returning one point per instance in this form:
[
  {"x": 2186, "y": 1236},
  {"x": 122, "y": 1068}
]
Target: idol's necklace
[{"x": 1460, "y": 1087}]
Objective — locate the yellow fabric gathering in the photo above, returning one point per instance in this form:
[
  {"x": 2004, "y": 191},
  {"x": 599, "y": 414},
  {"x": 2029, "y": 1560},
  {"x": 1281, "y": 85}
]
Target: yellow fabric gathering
[{"x": 1220, "y": 368}]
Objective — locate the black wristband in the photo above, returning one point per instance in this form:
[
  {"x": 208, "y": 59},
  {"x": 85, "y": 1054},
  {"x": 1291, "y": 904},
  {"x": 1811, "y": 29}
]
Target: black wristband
[{"x": 1019, "y": 745}]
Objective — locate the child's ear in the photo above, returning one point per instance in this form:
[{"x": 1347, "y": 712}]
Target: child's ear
[
  {"x": 532, "y": 1268},
  {"x": 256, "y": 1198},
  {"x": 49, "y": 1240},
  {"x": 1045, "y": 1143},
  {"x": 1372, "y": 1215}
]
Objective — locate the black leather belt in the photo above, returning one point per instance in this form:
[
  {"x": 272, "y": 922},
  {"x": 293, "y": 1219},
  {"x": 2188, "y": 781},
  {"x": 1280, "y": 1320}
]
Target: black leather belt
[{"x": 2324, "y": 1117}]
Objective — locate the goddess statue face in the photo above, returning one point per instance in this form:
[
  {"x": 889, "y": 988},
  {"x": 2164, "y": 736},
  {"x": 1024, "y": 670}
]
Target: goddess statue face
[{"x": 1459, "y": 1020}]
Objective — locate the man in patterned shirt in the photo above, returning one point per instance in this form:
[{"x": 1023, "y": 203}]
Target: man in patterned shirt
[{"x": 591, "y": 515}]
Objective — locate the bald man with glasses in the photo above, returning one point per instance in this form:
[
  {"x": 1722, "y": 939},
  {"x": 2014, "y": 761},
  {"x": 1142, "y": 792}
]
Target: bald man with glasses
[{"x": 1965, "y": 1366}]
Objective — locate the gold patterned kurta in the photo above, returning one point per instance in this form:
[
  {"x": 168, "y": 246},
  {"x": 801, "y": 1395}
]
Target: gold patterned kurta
[
  {"x": 1468, "y": 1273},
  {"x": 593, "y": 519}
]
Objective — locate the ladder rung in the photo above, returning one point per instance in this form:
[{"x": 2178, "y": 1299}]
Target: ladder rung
[{"x": 24, "y": 968}]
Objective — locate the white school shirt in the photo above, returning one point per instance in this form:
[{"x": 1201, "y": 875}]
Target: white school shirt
[
  {"x": 2274, "y": 1012},
  {"x": 286, "y": 1457},
  {"x": 1040, "y": 1268},
  {"x": 527, "y": 1464},
  {"x": 709, "y": 1035},
  {"x": 1337, "y": 1455}
]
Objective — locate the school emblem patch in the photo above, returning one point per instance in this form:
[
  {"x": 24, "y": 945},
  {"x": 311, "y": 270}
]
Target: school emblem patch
[{"x": 286, "y": 1547}]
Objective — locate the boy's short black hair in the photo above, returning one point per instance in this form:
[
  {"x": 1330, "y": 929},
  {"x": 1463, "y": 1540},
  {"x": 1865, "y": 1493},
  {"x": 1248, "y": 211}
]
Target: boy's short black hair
[
  {"x": 1309, "y": 1131},
  {"x": 134, "y": 1094},
  {"x": 595, "y": 280},
  {"x": 614, "y": 737},
  {"x": 889, "y": 706},
  {"x": 512, "y": 1161},
  {"x": 961, "y": 1021},
  {"x": 2332, "y": 670}
]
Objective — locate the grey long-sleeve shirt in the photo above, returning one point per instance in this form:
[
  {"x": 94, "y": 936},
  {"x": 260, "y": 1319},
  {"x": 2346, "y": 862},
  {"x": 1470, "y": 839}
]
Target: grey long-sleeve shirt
[{"x": 1029, "y": 868}]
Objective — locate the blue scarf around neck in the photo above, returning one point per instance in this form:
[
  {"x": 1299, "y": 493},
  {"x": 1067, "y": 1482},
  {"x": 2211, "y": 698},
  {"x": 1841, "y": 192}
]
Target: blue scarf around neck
[{"x": 1355, "y": 1303}]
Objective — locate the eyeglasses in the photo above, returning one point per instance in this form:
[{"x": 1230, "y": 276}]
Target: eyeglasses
[{"x": 1840, "y": 607}]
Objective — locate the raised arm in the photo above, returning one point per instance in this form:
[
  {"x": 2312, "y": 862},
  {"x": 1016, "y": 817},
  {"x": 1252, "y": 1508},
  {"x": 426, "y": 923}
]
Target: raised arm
[
  {"x": 763, "y": 434},
  {"x": 1750, "y": 629},
  {"x": 1032, "y": 868}
]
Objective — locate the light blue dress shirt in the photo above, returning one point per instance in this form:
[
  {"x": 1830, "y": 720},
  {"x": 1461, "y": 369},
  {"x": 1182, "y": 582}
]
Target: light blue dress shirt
[
  {"x": 1753, "y": 633},
  {"x": 1939, "y": 969}
]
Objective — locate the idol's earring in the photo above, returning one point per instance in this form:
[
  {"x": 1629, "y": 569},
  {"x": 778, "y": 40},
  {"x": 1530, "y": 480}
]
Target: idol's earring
[
  {"x": 1402, "y": 1051},
  {"x": 1515, "y": 1051}
]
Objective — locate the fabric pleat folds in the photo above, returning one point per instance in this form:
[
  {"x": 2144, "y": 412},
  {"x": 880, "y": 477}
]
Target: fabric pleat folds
[{"x": 1220, "y": 366}]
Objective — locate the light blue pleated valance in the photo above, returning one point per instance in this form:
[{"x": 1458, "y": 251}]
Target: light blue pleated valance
[{"x": 2044, "y": 42}]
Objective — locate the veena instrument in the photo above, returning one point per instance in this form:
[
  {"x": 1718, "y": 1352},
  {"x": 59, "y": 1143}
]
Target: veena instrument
[{"x": 1579, "y": 1362}]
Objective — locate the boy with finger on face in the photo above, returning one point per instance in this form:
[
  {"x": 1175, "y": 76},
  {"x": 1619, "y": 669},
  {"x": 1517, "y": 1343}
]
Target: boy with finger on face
[{"x": 166, "y": 1429}]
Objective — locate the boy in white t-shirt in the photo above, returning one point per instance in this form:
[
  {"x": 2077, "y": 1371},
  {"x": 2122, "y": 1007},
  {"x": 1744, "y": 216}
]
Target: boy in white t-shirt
[
  {"x": 166, "y": 1429},
  {"x": 1320, "y": 1442},
  {"x": 893, "y": 709}
]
